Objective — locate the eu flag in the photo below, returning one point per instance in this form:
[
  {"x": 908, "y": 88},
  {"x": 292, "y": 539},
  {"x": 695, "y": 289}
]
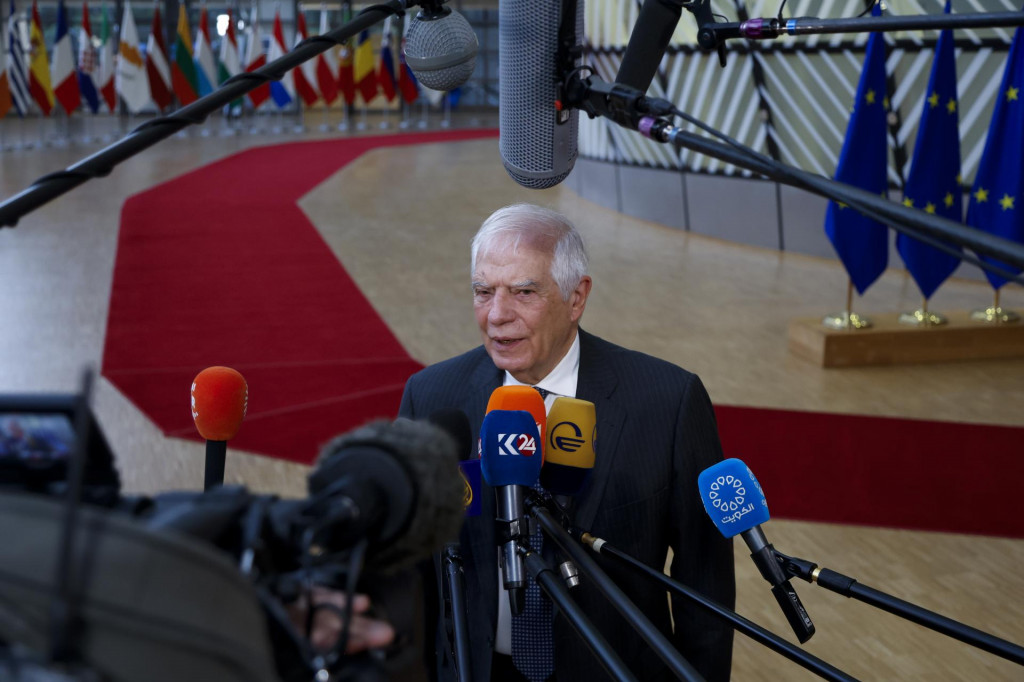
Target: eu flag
[
  {"x": 859, "y": 241},
  {"x": 934, "y": 182},
  {"x": 997, "y": 200}
]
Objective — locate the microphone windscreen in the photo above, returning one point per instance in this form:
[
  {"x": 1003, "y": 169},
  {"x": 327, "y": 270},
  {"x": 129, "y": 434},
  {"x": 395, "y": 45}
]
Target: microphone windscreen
[
  {"x": 509, "y": 448},
  {"x": 441, "y": 49},
  {"x": 414, "y": 467},
  {"x": 220, "y": 397},
  {"x": 732, "y": 497},
  {"x": 521, "y": 398},
  {"x": 538, "y": 137},
  {"x": 470, "y": 471},
  {"x": 455, "y": 423},
  {"x": 569, "y": 445}
]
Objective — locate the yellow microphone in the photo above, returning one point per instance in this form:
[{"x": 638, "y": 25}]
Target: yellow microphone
[{"x": 569, "y": 445}]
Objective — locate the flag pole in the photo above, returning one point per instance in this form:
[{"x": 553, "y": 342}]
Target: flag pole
[
  {"x": 847, "y": 319},
  {"x": 995, "y": 314}
]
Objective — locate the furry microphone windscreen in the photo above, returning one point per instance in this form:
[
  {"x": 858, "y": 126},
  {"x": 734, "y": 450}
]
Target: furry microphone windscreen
[{"x": 414, "y": 466}]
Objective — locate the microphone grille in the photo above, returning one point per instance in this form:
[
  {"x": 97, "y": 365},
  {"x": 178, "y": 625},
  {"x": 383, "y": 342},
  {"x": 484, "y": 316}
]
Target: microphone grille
[
  {"x": 537, "y": 151},
  {"x": 441, "y": 51}
]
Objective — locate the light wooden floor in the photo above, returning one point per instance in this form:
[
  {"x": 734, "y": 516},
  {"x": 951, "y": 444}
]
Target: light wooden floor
[{"x": 400, "y": 221}]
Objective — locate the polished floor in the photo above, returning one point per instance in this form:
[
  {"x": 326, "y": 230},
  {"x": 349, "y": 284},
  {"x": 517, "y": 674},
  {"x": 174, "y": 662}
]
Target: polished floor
[{"x": 400, "y": 219}]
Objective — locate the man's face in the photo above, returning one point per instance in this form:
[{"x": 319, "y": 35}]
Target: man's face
[{"x": 526, "y": 326}]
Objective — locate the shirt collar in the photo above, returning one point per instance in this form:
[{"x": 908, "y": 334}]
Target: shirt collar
[{"x": 563, "y": 378}]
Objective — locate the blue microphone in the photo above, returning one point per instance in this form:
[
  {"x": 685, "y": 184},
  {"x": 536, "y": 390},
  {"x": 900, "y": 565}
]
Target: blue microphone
[
  {"x": 510, "y": 460},
  {"x": 736, "y": 504},
  {"x": 732, "y": 497}
]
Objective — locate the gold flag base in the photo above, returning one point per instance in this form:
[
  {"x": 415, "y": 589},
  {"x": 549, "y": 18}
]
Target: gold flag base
[
  {"x": 995, "y": 315},
  {"x": 887, "y": 342},
  {"x": 846, "y": 320},
  {"x": 923, "y": 318}
]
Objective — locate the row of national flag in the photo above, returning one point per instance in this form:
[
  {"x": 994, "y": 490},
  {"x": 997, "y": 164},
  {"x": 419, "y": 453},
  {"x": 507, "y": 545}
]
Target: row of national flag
[
  {"x": 934, "y": 185},
  {"x": 28, "y": 75},
  {"x": 189, "y": 70}
]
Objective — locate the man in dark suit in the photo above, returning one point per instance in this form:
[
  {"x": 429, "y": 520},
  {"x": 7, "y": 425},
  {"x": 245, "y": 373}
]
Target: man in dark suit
[{"x": 655, "y": 433}]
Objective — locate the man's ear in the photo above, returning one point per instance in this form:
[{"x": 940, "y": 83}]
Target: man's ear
[{"x": 578, "y": 298}]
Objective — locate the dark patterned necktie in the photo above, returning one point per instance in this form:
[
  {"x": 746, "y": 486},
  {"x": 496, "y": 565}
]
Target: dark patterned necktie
[{"x": 533, "y": 647}]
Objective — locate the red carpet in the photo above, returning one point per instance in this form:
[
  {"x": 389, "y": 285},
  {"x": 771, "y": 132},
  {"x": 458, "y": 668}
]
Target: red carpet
[
  {"x": 221, "y": 267},
  {"x": 901, "y": 473}
]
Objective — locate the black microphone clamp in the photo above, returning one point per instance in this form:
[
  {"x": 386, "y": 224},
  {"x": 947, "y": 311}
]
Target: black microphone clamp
[{"x": 764, "y": 556}]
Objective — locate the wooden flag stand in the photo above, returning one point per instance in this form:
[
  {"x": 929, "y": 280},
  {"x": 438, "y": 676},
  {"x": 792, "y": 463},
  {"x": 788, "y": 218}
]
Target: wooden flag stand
[{"x": 888, "y": 341}]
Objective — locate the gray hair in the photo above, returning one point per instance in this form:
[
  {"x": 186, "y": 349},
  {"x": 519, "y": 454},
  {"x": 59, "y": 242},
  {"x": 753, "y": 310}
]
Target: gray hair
[{"x": 569, "y": 260}]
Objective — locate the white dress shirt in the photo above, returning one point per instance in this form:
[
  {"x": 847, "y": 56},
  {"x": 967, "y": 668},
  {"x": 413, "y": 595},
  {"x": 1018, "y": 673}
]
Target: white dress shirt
[{"x": 561, "y": 381}]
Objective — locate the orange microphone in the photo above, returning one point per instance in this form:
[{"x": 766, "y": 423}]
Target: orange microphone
[
  {"x": 524, "y": 398},
  {"x": 219, "y": 399}
]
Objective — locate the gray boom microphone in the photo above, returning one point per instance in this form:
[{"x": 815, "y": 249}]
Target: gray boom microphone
[
  {"x": 538, "y": 136},
  {"x": 440, "y": 48}
]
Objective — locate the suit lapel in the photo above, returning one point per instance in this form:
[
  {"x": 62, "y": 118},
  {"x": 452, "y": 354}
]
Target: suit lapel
[{"x": 597, "y": 383}]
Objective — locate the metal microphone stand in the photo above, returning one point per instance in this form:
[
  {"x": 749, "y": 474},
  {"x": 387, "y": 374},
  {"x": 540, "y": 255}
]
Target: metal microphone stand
[
  {"x": 848, "y": 587},
  {"x": 549, "y": 581},
  {"x": 630, "y": 108},
  {"x": 711, "y": 34},
  {"x": 747, "y": 627},
  {"x": 451, "y": 562},
  {"x": 682, "y": 669}
]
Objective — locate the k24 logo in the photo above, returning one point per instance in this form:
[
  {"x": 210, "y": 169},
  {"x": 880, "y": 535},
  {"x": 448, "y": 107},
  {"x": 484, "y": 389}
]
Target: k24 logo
[{"x": 516, "y": 444}]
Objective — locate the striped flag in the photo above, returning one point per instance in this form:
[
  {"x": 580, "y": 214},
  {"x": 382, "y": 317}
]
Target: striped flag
[
  {"x": 327, "y": 66},
  {"x": 131, "y": 80},
  {"x": 861, "y": 242},
  {"x": 184, "y": 81},
  {"x": 386, "y": 68},
  {"x": 346, "y": 83},
  {"x": 63, "y": 73},
  {"x": 997, "y": 199},
  {"x": 158, "y": 69},
  {"x": 362, "y": 67},
  {"x": 282, "y": 91},
  {"x": 206, "y": 63},
  {"x": 39, "y": 66},
  {"x": 256, "y": 58},
  {"x": 105, "y": 79},
  {"x": 5, "y": 87},
  {"x": 17, "y": 73},
  {"x": 305, "y": 75},
  {"x": 933, "y": 185},
  {"x": 88, "y": 64},
  {"x": 407, "y": 83},
  {"x": 229, "y": 64}
]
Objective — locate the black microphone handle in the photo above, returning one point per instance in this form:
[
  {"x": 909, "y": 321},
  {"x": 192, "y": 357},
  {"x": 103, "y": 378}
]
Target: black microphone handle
[
  {"x": 216, "y": 456},
  {"x": 680, "y": 667},
  {"x": 751, "y": 629},
  {"x": 763, "y": 555},
  {"x": 848, "y": 587},
  {"x": 648, "y": 42},
  {"x": 549, "y": 581},
  {"x": 451, "y": 559}
]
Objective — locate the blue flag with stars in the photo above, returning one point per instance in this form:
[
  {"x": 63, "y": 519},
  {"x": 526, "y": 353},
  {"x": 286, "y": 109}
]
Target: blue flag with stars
[
  {"x": 860, "y": 242},
  {"x": 997, "y": 200},
  {"x": 934, "y": 182}
]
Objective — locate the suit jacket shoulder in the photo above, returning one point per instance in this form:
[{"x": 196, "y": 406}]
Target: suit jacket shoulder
[{"x": 448, "y": 383}]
